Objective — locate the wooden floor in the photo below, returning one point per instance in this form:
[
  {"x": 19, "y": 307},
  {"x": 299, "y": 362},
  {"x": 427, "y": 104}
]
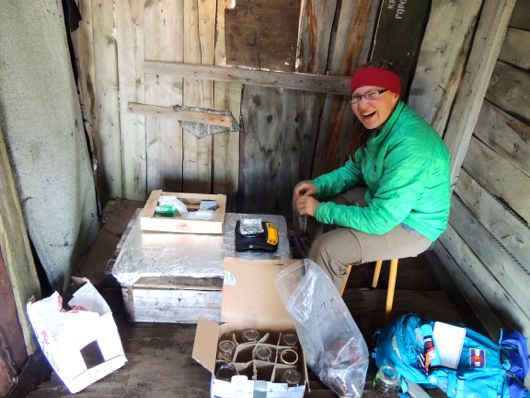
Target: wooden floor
[{"x": 159, "y": 355}]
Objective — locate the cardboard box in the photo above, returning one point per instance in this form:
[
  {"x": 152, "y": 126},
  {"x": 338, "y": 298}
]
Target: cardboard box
[
  {"x": 81, "y": 345},
  {"x": 249, "y": 300},
  {"x": 151, "y": 222}
]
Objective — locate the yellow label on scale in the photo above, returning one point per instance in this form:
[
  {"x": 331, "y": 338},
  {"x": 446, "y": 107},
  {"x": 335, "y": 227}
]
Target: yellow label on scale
[{"x": 272, "y": 234}]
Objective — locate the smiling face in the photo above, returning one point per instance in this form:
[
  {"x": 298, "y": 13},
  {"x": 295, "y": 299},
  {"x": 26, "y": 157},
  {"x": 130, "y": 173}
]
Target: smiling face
[{"x": 374, "y": 113}]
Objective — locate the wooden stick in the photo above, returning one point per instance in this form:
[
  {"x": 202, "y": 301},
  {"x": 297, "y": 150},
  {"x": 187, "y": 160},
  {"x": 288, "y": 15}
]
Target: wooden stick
[
  {"x": 295, "y": 81},
  {"x": 204, "y": 116}
]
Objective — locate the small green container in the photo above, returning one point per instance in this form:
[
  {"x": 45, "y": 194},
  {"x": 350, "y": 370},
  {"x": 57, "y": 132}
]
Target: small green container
[{"x": 165, "y": 211}]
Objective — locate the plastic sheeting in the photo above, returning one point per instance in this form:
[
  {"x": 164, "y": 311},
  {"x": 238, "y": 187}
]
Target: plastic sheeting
[{"x": 155, "y": 254}]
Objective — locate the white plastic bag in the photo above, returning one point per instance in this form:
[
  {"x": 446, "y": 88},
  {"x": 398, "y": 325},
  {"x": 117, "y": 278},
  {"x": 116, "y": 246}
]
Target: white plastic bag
[{"x": 334, "y": 347}]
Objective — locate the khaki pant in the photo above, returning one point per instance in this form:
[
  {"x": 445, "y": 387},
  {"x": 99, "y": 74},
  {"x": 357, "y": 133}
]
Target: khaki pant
[{"x": 335, "y": 248}]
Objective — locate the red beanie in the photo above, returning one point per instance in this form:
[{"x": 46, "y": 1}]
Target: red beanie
[{"x": 372, "y": 76}]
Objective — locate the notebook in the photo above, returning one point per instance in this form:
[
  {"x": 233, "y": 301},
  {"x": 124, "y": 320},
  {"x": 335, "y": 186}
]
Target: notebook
[{"x": 449, "y": 342}]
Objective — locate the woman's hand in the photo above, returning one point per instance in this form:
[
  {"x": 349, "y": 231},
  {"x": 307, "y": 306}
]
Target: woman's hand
[
  {"x": 305, "y": 188},
  {"x": 307, "y": 205}
]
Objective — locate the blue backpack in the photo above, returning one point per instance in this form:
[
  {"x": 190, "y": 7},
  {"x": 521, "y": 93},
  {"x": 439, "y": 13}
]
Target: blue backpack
[{"x": 498, "y": 372}]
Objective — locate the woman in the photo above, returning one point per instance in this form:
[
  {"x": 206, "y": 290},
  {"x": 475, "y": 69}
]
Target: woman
[{"x": 391, "y": 199}]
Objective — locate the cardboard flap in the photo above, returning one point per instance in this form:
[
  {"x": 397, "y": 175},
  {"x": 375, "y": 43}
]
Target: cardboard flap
[
  {"x": 205, "y": 343},
  {"x": 249, "y": 293},
  {"x": 88, "y": 297}
]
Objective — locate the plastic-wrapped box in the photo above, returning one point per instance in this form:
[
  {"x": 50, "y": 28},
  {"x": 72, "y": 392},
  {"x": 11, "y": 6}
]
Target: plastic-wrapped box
[{"x": 172, "y": 277}]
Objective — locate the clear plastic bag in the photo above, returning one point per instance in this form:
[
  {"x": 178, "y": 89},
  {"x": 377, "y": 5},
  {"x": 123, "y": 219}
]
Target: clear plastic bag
[{"x": 333, "y": 345}]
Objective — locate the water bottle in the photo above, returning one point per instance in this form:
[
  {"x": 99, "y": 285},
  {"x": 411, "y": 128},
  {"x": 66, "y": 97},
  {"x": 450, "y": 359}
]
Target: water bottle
[{"x": 386, "y": 382}]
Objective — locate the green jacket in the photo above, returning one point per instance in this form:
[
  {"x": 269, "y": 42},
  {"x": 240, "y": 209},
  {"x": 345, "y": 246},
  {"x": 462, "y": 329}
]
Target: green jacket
[{"x": 405, "y": 168}]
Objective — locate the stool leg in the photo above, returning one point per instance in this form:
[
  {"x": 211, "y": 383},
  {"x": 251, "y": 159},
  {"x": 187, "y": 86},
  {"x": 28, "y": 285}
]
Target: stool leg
[
  {"x": 391, "y": 287},
  {"x": 345, "y": 280},
  {"x": 377, "y": 272}
]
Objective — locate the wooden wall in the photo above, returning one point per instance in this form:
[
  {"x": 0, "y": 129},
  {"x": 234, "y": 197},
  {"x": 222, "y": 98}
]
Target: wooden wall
[
  {"x": 123, "y": 46},
  {"x": 139, "y": 58},
  {"x": 486, "y": 245}
]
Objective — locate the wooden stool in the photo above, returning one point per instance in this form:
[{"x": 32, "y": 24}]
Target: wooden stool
[{"x": 391, "y": 282}]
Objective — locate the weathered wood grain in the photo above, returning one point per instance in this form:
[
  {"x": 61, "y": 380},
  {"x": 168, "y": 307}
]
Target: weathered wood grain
[
  {"x": 441, "y": 59},
  {"x": 262, "y": 110},
  {"x": 83, "y": 43},
  {"x": 107, "y": 106},
  {"x": 199, "y": 37},
  {"x": 487, "y": 42},
  {"x": 169, "y": 305},
  {"x": 500, "y": 221},
  {"x": 498, "y": 296},
  {"x": 516, "y": 49},
  {"x": 506, "y": 135},
  {"x": 509, "y": 89},
  {"x": 520, "y": 16},
  {"x": 130, "y": 48},
  {"x": 302, "y": 109},
  {"x": 227, "y": 96},
  {"x": 514, "y": 277},
  {"x": 203, "y": 117},
  {"x": 295, "y": 81},
  {"x": 15, "y": 247},
  {"x": 315, "y": 35},
  {"x": 499, "y": 177},
  {"x": 262, "y": 33},
  {"x": 349, "y": 49},
  {"x": 163, "y": 33},
  {"x": 470, "y": 290},
  {"x": 13, "y": 354}
]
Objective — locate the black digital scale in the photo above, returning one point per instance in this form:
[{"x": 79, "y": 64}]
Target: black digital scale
[{"x": 267, "y": 240}]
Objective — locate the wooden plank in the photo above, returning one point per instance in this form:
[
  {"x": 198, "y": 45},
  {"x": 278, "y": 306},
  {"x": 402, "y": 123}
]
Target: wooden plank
[
  {"x": 107, "y": 106},
  {"x": 15, "y": 247},
  {"x": 203, "y": 117},
  {"x": 500, "y": 220},
  {"x": 505, "y": 134},
  {"x": 130, "y": 47},
  {"x": 349, "y": 49},
  {"x": 513, "y": 276},
  {"x": 485, "y": 49},
  {"x": 499, "y": 299},
  {"x": 262, "y": 110},
  {"x": 295, "y": 81},
  {"x": 172, "y": 305},
  {"x": 227, "y": 96},
  {"x": 499, "y": 177},
  {"x": 315, "y": 35},
  {"x": 471, "y": 292},
  {"x": 515, "y": 49},
  {"x": 441, "y": 59},
  {"x": 199, "y": 37},
  {"x": 13, "y": 353},
  {"x": 509, "y": 90},
  {"x": 163, "y": 31},
  {"x": 301, "y": 110},
  {"x": 83, "y": 42},
  {"x": 520, "y": 16},
  {"x": 301, "y": 113},
  {"x": 262, "y": 33},
  {"x": 399, "y": 19},
  {"x": 226, "y": 145}
]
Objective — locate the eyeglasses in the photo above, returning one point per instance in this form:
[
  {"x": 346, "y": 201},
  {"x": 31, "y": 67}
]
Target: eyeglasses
[{"x": 370, "y": 96}]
